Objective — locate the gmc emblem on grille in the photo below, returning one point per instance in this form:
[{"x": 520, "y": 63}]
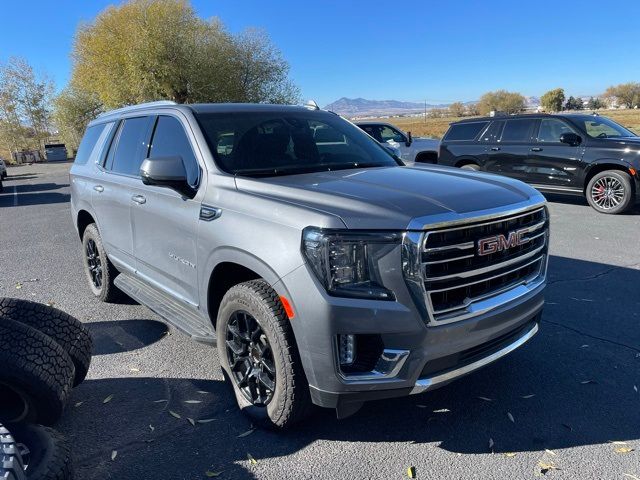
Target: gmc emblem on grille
[{"x": 498, "y": 243}]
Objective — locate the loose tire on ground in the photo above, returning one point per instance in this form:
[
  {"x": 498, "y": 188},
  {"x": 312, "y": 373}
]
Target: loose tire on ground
[
  {"x": 620, "y": 183},
  {"x": 36, "y": 375},
  {"x": 66, "y": 330},
  {"x": 291, "y": 401},
  {"x": 47, "y": 454},
  {"x": 11, "y": 466},
  {"x": 106, "y": 291}
]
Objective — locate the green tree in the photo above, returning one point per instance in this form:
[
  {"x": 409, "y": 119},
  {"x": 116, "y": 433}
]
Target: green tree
[
  {"x": 595, "y": 104},
  {"x": 626, "y": 94},
  {"x": 573, "y": 103},
  {"x": 457, "y": 109},
  {"x": 553, "y": 100},
  {"x": 147, "y": 50},
  {"x": 73, "y": 110},
  {"x": 501, "y": 101}
]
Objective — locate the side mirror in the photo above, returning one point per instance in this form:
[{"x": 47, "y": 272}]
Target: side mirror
[
  {"x": 409, "y": 139},
  {"x": 571, "y": 139},
  {"x": 167, "y": 172}
]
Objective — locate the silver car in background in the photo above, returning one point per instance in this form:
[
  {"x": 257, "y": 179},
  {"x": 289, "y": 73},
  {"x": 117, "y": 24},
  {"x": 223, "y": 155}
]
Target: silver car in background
[{"x": 411, "y": 150}]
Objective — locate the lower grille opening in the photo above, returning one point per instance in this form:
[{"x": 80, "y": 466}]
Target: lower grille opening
[{"x": 368, "y": 351}]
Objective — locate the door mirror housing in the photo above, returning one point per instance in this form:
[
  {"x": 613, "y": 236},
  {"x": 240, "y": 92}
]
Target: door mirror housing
[
  {"x": 167, "y": 172},
  {"x": 572, "y": 139},
  {"x": 409, "y": 139}
]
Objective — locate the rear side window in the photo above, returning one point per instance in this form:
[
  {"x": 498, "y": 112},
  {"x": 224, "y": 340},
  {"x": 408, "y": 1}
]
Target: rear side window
[
  {"x": 493, "y": 133},
  {"x": 131, "y": 148},
  {"x": 520, "y": 130},
  {"x": 465, "y": 131},
  {"x": 170, "y": 139},
  {"x": 88, "y": 143}
]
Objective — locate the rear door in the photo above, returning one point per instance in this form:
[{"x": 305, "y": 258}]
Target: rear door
[
  {"x": 553, "y": 162},
  {"x": 510, "y": 154},
  {"x": 114, "y": 187},
  {"x": 164, "y": 222}
]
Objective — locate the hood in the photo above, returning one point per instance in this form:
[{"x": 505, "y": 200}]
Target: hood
[{"x": 396, "y": 198}]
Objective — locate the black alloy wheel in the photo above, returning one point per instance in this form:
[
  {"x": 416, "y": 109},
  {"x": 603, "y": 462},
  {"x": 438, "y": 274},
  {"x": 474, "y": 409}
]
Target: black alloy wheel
[
  {"x": 94, "y": 263},
  {"x": 250, "y": 358}
]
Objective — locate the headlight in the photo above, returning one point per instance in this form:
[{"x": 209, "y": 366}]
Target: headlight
[{"x": 347, "y": 262}]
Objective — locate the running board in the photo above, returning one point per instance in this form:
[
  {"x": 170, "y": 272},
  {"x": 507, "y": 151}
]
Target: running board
[{"x": 177, "y": 314}]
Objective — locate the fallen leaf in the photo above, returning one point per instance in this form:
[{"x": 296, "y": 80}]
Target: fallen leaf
[
  {"x": 510, "y": 417},
  {"x": 491, "y": 445},
  {"x": 528, "y": 396},
  {"x": 18, "y": 286},
  {"x": 78, "y": 404},
  {"x": 160, "y": 401},
  {"x": 586, "y": 382},
  {"x": 545, "y": 467},
  {"x": 206, "y": 420},
  {"x": 203, "y": 392},
  {"x": 191, "y": 421},
  {"x": 152, "y": 428},
  {"x": 550, "y": 452},
  {"x": 584, "y": 346},
  {"x": 635, "y": 387},
  {"x": 411, "y": 472},
  {"x": 50, "y": 304},
  {"x": 252, "y": 460},
  {"x": 617, "y": 442},
  {"x": 211, "y": 474},
  {"x": 133, "y": 369},
  {"x": 193, "y": 401},
  {"x": 442, "y": 410},
  {"x": 108, "y": 399},
  {"x": 486, "y": 399},
  {"x": 624, "y": 449},
  {"x": 633, "y": 477},
  {"x": 509, "y": 454},
  {"x": 245, "y": 434},
  {"x": 114, "y": 454},
  {"x": 174, "y": 414},
  {"x": 421, "y": 406}
]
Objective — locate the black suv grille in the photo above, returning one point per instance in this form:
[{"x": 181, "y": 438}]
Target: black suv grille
[{"x": 470, "y": 263}]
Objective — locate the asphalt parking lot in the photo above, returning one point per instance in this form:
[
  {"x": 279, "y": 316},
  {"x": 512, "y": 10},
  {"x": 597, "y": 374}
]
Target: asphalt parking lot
[{"x": 566, "y": 404}]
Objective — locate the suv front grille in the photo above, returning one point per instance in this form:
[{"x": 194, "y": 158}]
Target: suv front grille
[{"x": 457, "y": 274}]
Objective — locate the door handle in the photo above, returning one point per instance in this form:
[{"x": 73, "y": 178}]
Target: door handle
[
  {"x": 495, "y": 149},
  {"x": 536, "y": 149},
  {"x": 139, "y": 199},
  {"x": 98, "y": 188}
]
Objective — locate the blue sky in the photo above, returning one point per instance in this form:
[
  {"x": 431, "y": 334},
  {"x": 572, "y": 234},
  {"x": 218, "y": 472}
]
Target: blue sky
[{"x": 440, "y": 51}]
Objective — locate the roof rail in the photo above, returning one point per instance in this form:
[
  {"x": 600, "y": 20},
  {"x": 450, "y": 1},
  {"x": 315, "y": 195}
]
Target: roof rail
[{"x": 138, "y": 106}]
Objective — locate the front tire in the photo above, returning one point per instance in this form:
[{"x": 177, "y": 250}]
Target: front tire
[
  {"x": 610, "y": 192},
  {"x": 99, "y": 270},
  {"x": 259, "y": 357}
]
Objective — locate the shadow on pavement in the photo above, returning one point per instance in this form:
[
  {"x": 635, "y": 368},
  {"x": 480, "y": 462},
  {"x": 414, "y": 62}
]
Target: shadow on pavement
[
  {"x": 572, "y": 385},
  {"x": 125, "y": 335}
]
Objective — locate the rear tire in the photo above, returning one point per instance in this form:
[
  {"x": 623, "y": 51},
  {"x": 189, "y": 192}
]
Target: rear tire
[
  {"x": 67, "y": 331},
  {"x": 99, "y": 270},
  {"x": 49, "y": 454},
  {"x": 610, "y": 192},
  {"x": 36, "y": 375},
  {"x": 470, "y": 166},
  {"x": 11, "y": 466},
  {"x": 290, "y": 401}
]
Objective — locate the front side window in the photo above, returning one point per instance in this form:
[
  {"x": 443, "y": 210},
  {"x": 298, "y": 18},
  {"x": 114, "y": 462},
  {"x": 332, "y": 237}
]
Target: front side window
[
  {"x": 465, "y": 131},
  {"x": 551, "y": 129},
  {"x": 170, "y": 139},
  {"x": 286, "y": 143},
  {"x": 518, "y": 130},
  {"x": 389, "y": 134},
  {"x": 131, "y": 147}
]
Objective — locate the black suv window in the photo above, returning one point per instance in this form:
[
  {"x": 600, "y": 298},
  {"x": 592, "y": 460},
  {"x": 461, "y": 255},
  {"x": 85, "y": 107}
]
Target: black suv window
[
  {"x": 493, "y": 133},
  {"x": 88, "y": 143},
  {"x": 518, "y": 130},
  {"x": 131, "y": 148},
  {"x": 170, "y": 139},
  {"x": 465, "y": 131},
  {"x": 551, "y": 129}
]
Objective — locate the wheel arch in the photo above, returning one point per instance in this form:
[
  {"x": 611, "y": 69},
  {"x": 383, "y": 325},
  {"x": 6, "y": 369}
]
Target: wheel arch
[
  {"x": 83, "y": 220},
  {"x": 603, "y": 165}
]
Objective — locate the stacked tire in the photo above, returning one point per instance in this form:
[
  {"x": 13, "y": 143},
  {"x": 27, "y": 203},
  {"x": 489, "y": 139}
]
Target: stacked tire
[{"x": 44, "y": 353}]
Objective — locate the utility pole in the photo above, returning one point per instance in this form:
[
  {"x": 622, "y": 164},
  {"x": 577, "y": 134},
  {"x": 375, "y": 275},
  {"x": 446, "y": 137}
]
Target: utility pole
[{"x": 425, "y": 111}]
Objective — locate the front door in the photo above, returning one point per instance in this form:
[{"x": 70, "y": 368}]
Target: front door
[
  {"x": 553, "y": 162},
  {"x": 164, "y": 222}
]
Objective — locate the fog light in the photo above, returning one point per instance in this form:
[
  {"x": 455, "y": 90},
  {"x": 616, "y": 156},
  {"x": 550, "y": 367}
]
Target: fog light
[{"x": 346, "y": 349}]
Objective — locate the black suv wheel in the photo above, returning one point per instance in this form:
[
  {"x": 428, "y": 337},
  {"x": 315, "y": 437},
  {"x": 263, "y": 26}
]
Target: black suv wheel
[
  {"x": 610, "y": 192},
  {"x": 259, "y": 357}
]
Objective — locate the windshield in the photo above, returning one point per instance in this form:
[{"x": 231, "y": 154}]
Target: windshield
[
  {"x": 602, "y": 127},
  {"x": 286, "y": 143}
]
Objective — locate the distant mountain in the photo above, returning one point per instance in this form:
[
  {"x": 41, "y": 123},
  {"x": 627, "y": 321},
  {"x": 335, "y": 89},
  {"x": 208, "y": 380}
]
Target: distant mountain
[
  {"x": 532, "y": 101},
  {"x": 360, "y": 107}
]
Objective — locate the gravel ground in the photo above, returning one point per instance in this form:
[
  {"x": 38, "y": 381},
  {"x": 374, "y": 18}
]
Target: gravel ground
[{"x": 571, "y": 392}]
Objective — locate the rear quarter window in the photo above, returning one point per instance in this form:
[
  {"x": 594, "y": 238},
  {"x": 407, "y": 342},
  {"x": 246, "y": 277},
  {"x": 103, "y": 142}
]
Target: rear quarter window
[
  {"x": 465, "y": 131},
  {"x": 88, "y": 143}
]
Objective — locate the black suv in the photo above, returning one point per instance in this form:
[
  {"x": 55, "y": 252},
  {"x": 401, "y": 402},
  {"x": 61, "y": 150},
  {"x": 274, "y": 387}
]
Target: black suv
[{"x": 567, "y": 153}]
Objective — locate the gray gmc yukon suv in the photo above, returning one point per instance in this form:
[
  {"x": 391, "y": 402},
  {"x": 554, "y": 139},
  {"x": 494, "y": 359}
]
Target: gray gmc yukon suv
[{"x": 325, "y": 273}]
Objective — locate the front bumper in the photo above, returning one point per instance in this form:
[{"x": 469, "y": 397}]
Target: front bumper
[{"x": 429, "y": 356}]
